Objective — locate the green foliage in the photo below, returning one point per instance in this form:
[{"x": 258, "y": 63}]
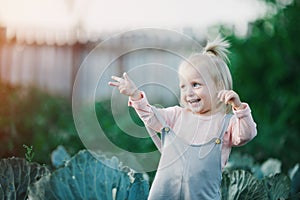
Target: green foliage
[
  {"x": 244, "y": 179},
  {"x": 27, "y": 114},
  {"x": 29, "y": 152},
  {"x": 294, "y": 175},
  {"x": 59, "y": 157},
  {"x": 118, "y": 136},
  {"x": 90, "y": 176},
  {"x": 16, "y": 174},
  {"x": 265, "y": 67},
  {"x": 277, "y": 186},
  {"x": 139, "y": 188},
  {"x": 84, "y": 176},
  {"x": 240, "y": 184}
]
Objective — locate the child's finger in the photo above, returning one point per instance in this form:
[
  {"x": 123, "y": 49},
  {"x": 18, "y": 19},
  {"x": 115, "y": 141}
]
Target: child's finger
[
  {"x": 116, "y": 84},
  {"x": 125, "y": 76},
  {"x": 229, "y": 97},
  {"x": 116, "y": 78}
]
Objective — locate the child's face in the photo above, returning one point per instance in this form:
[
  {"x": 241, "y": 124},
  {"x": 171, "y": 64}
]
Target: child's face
[{"x": 198, "y": 91}]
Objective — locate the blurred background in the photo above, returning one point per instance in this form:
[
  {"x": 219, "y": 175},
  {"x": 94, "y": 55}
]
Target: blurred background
[{"x": 44, "y": 42}]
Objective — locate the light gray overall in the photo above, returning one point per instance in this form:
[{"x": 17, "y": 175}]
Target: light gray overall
[{"x": 187, "y": 172}]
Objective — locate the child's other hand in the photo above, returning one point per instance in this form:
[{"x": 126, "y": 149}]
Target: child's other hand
[
  {"x": 126, "y": 86},
  {"x": 230, "y": 97}
]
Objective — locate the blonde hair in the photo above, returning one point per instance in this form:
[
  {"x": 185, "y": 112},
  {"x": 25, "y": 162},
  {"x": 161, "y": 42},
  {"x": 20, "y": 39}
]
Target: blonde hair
[
  {"x": 217, "y": 51},
  {"x": 214, "y": 54},
  {"x": 218, "y": 47}
]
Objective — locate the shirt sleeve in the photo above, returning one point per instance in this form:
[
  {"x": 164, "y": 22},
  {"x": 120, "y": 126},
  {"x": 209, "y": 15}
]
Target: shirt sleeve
[
  {"x": 242, "y": 127},
  {"x": 146, "y": 114}
]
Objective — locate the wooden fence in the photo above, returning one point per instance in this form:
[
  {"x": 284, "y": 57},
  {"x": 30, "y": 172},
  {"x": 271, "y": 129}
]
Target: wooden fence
[{"x": 150, "y": 60}]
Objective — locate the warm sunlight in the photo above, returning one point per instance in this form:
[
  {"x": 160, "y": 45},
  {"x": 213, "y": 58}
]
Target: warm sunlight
[{"x": 56, "y": 20}]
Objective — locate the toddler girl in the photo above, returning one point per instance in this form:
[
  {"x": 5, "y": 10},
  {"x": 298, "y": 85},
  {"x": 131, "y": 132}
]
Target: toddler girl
[{"x": 198, "y": 135}]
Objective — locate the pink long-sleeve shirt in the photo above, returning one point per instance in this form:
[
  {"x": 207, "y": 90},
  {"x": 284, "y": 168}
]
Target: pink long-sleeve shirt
[{"x": 197, "y": 129}]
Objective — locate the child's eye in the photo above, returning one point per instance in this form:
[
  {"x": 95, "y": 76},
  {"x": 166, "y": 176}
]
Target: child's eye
[
  {"x": 196, "y": 85},
  {"x": 182, "y": 86}
]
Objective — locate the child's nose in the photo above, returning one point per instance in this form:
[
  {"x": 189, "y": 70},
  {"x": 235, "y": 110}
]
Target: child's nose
[{"x": 190, "y": 91}]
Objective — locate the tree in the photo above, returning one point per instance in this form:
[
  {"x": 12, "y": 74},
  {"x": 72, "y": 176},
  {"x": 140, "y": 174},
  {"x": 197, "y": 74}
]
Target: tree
[{"x": 265, "y": 68}]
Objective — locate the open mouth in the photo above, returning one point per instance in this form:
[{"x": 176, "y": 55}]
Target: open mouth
[{"x": 194, "y": 101}]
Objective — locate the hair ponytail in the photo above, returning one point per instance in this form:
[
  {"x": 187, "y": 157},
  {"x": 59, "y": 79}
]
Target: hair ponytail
[
  {"x": 218, "y": 51},
  {"x": 218, "y": 47}
]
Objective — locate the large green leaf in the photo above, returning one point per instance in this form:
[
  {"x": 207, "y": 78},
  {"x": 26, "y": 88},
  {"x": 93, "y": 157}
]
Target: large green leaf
[
  {"x": 271, "y": 166},
  {"x": 294, "y": 175},
  {"x": 59, "y": 156},
  {"x": 240, "y": 184},
  {"x": 16, "y": 174},
  {"x": 86, "y": 177},
  {"x": 239, "y": 161},
  {"x": 244, "y": 162},
  {"x": 278, "y": 186},
  {"x": 139, "y": 188},
  {"x": 225, "y": 185}
]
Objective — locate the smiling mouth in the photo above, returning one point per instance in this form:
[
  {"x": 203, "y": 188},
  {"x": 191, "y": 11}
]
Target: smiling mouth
[{"x": 194, "y": 101}]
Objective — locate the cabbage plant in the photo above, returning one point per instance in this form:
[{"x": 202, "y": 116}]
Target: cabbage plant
[
  {"x": 90, "y": 176},
  {"x": 16, "y": 175}
]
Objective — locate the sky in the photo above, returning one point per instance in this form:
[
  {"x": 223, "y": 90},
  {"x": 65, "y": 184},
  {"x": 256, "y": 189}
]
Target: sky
[{"x": 114, "y": 15}]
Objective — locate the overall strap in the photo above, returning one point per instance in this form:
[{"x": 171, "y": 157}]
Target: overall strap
[
  {"x": 225, "y": 124},
  {"x": 159, "y": 117},
  {"x": 155, "y": 138}
]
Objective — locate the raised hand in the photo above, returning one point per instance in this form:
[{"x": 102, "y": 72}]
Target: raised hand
[
  {"x": 230, "y": 97},
  {"x": 126, "y": 86}
]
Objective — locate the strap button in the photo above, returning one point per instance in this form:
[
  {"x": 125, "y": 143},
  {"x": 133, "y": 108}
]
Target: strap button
[
  {"x": 166, "y": 129},
  {"x": 218, "y": 141}
]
